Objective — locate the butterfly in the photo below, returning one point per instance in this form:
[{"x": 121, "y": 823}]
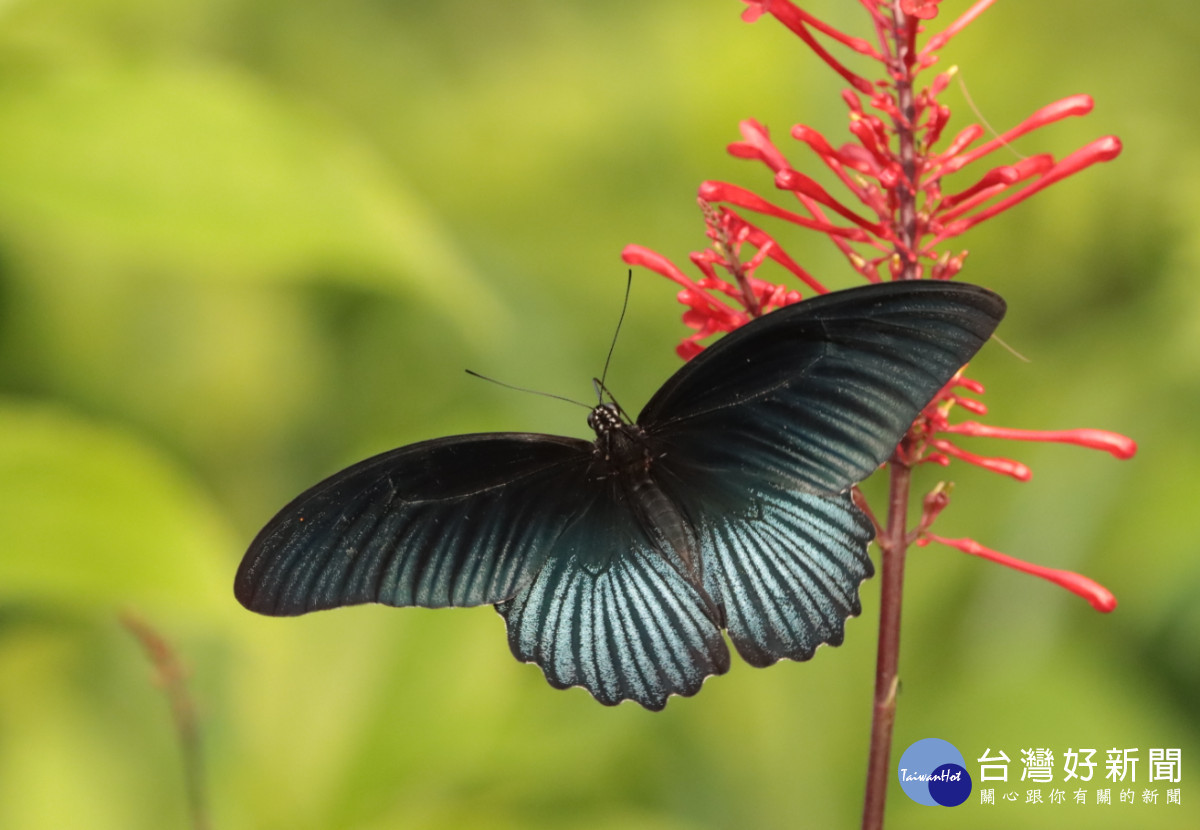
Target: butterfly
[{"x": 617, "y": 563}]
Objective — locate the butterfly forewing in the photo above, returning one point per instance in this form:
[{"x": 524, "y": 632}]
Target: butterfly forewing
[
  {"x": 816, "y": 395},
  {"x": 456, "y": 521}
]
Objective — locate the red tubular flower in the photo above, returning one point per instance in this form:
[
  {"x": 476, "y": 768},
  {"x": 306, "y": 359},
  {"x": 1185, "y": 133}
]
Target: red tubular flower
[
  {"x": 1119, "y": 446},
  {"x": 1004, "y": 466},
  {"x": 1067, "y": 107},
  {"x": 1102, "y": 149},
  {"x": 1096, "y": 594}
]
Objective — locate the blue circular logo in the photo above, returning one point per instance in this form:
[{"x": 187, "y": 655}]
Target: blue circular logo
[{"x": 933, "y": 772}]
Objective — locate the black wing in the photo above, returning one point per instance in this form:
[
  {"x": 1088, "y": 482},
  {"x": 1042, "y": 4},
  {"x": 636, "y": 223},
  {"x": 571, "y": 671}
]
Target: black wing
[
  {"x": 788, "y": 576},
  {"x": 816, "y": 395},
  {"x": 761, "y": 435},
  {"x": 610, "y": 612},
  {"x": 455, "y": 521}
]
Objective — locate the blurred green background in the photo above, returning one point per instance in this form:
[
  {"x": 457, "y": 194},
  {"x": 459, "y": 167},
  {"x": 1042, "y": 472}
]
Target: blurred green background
[{"x": 243, "y": 244}]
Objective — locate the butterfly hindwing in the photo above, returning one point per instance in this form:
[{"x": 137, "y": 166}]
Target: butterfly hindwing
[
  {"x": 788, "y": 576},
  {"x": 455, "y": 521},
  {"x": 783, "y": 565},
  {"x": 609, "y": 612}
]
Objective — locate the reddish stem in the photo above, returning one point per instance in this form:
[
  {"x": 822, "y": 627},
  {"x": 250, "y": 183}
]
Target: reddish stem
[
  {"x": 893, "y": 546},
  {"x": 894, "y": 542},
  {"x": 171, "y": 678}
]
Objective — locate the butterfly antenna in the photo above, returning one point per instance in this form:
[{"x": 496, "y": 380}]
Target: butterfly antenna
[
  {"x": 1011, "y": 350},
  {"x": 530, "y": 391},
  {"x": 602, "y": 390},
  {"x": 620, "y": 320},
  {"x": 971, "y": 103}
]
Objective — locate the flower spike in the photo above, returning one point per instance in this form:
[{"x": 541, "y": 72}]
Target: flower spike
[{"x": 887, "y": 208}]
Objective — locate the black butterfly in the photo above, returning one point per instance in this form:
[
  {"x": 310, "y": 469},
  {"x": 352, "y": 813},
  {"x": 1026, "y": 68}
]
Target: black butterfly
[{"x": 617, "y": 563}]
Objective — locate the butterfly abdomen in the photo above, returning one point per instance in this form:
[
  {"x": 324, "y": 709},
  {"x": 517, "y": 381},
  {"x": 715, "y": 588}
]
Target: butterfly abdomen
[
  {"x": 665, "y": 524},
  {"x": 625, "y": 456}
]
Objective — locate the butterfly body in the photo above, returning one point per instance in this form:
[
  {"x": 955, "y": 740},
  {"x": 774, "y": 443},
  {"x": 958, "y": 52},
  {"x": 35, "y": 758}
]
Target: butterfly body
[
  {"x": 624, "y": 456},
  {"x": 617, "y": 563}
]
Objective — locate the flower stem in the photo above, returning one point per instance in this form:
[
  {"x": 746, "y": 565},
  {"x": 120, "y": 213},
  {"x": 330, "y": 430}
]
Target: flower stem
[{"x": 893, "y": 545}]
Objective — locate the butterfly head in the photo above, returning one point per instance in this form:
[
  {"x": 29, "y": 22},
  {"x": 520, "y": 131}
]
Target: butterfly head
[{"x": 605, "y": 419}]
